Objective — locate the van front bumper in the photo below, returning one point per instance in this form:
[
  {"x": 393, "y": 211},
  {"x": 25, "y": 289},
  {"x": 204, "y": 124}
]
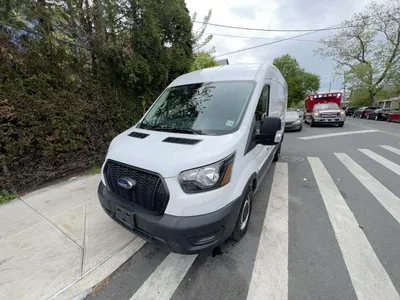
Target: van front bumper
[{"x": 185, "y": 235}]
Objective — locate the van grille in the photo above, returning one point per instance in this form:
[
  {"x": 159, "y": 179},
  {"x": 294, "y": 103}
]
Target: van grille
[
  {"x": 329, "y": 114},
  {"x": 149, "y": 193}
]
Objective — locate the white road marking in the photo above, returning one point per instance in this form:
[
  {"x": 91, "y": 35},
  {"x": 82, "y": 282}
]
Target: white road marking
[
  {"x": 319, "y": 136},
  {"x": 388, "y": 200},
  {"x": 369, "y": 278},
  {"x": 270, "y": 273},
  {"x": 163, "y": 282},
  {"x": 383, "y": 161},
  {"x": 390, "y": 148}
]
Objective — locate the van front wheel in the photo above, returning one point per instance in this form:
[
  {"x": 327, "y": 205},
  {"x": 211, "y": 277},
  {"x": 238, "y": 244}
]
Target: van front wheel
[
  {"x": 243, "y": 220},
  {"x": 278, "y": 153}
]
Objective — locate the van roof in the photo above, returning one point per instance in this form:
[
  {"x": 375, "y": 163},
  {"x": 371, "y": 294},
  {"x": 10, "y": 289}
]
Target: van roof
[{"x": 221, "y": 73}]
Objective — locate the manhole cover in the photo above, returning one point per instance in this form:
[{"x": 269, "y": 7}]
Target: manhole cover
[{"x": 292, "y": 158}]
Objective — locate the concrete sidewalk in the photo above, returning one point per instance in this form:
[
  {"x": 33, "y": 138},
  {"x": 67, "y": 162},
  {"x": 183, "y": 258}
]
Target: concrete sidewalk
[{"x": 56, "y": 243}]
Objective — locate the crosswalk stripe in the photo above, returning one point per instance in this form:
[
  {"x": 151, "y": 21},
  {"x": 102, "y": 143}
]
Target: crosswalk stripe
[
  {"x": 270, "y": 273},
  {"x": 320, "y": 136},
  {"x": 390, "y": 148},
  {"x": 388, "y": 200},
  {"x": 369, "y": 278},
  {"x": 163, "y": 282},
  {"x": 383, "y": 161}
]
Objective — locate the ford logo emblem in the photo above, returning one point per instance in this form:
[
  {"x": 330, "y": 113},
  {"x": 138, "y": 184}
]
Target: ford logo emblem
[{"x": 126, "y": 183}]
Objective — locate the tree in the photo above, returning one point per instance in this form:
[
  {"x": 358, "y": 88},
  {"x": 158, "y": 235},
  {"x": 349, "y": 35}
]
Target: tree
[
  {"x": 300, "y": 83},
  {"x": 86, "y": 70},
  {"x": 367, "y": 49},
  {"x": 199, "y": 34},
  {"x": 203, "y": 59},
  {"x": 360, "y": 97}
]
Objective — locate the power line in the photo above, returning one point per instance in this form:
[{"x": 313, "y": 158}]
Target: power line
[
  {"x": 262, "y": 45},
  {"x": 255, "y": 37},
  {"x": 275, "y": 30}
]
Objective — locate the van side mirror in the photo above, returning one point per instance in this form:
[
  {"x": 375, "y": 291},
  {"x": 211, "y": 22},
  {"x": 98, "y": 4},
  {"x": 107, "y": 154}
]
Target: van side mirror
[{"x": 270, "y": 131}]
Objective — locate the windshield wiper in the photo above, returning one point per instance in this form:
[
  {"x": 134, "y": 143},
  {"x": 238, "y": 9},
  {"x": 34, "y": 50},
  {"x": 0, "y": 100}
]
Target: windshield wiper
[
  {"x": 147, "y": 124},
  {"x": 166, "y": 128},
  {"x": 176, "y": 129},
  {"x": 188, "y": 130}
]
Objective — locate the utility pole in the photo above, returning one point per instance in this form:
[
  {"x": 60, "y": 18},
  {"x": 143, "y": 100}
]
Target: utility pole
[{"x": 344, "y": 87}]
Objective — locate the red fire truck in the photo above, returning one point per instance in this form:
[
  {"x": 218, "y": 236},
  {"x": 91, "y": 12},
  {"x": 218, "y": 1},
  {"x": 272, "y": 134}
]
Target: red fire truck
[{"x": 324, "y": 108}]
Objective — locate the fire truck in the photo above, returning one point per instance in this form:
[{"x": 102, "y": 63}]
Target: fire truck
[{"x": 324, "y": 108}]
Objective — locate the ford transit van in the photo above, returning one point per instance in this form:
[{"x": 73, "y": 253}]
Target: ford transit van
[{"x": 186, "y": 173}]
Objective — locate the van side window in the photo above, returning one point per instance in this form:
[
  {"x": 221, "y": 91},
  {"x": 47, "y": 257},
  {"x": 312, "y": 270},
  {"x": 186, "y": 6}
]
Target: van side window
[{"x": 262, "y": 106}]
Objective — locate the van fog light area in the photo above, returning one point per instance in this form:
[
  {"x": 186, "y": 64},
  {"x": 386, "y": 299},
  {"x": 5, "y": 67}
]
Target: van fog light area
[{"x": 207, "y": 238}]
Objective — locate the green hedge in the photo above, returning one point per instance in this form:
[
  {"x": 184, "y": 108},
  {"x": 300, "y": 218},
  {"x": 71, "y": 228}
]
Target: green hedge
[{"x": 53, "y": 124}]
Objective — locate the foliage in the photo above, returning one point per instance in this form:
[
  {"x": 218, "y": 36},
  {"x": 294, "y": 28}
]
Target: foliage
[
  {"x": 94, "y": 170},
  {"x": 203, "y": 59},
  {"x": 300, "y": 83},
  {"x": 360, "y": 97},
  {"x": 199, "y": 42},
  {"x": 73, "y": 74},
  {"x": 367, "y": 50},
  {"x": 6, "y": 196}
]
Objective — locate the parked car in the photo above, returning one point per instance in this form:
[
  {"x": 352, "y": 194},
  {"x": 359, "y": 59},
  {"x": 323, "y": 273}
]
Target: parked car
[
  {"x": 293, "y": 121},
  {"x": 394, "y": 116},
  {"x": 379, "y": 114},
  {"x": 364, "y": 111},
  {"x": 185, "y": 177},
  {"x": 300, "y": 112},
  {"x": 350, "y": 111}
]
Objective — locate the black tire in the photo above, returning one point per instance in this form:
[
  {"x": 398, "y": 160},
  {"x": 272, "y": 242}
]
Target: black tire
[
  {"x": 311, "y": 123},
  {"x": 277, "y": 153},
  {"x": 301, "y": 127},
  {"x": 353, "y": 115},
  {"x": 368, "y": 117},
  {"x": 377, "y": 118},
  {"x": 243, "y": 219},
  {"x": 341, "y": 124}
]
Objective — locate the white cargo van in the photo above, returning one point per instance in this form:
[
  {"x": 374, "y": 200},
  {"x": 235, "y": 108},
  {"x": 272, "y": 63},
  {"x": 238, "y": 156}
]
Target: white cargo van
[{"x": 185, "y": 174}]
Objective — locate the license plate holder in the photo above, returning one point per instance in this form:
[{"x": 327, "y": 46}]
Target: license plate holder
[{"x": 126, "y": 217}]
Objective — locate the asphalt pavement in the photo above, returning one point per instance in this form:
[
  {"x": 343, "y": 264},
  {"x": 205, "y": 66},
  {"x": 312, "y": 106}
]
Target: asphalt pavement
[{"x": 325, "y": 225}]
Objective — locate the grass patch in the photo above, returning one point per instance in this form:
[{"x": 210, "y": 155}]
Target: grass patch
[
  {"x": 6, "y": 196},
  {"x": 94, "y": 170}
]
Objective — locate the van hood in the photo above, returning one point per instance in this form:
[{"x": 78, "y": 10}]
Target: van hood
[{"x": 169, "y": 158}]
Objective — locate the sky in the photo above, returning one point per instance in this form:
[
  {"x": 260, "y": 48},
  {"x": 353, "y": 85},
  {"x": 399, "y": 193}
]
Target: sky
[{"x": 276, "y": 14}]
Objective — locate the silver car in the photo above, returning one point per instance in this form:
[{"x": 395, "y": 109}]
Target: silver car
[{"x": 292, "y": 121}]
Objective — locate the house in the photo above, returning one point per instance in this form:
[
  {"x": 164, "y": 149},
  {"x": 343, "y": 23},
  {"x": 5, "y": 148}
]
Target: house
[{"x": 392, "y": 103}]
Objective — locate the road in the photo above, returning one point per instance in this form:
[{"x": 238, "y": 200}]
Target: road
[{"x": 325, "y": 225}]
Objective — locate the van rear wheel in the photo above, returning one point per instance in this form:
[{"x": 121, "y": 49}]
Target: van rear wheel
[{"x": 243, "y": 219}]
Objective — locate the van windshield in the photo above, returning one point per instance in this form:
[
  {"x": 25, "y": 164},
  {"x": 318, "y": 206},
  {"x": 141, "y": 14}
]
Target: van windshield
[{"x": 212, "y": 108}]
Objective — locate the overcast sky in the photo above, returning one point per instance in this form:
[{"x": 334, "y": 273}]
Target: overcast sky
[{"x": 276, "y": 14}]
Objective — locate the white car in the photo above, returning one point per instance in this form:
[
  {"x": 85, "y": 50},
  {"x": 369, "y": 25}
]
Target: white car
[{"x": 185, "y": 174}]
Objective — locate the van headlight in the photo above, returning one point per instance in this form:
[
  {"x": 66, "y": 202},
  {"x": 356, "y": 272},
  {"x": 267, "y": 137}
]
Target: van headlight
[{"x": 207, "y": 177}]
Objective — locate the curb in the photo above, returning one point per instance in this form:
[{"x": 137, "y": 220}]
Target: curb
[{"x": 84, "y": 285}]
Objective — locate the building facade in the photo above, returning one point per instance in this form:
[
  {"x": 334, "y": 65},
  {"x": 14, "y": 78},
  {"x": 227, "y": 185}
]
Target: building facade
[{"x": 392, "y": 103}]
